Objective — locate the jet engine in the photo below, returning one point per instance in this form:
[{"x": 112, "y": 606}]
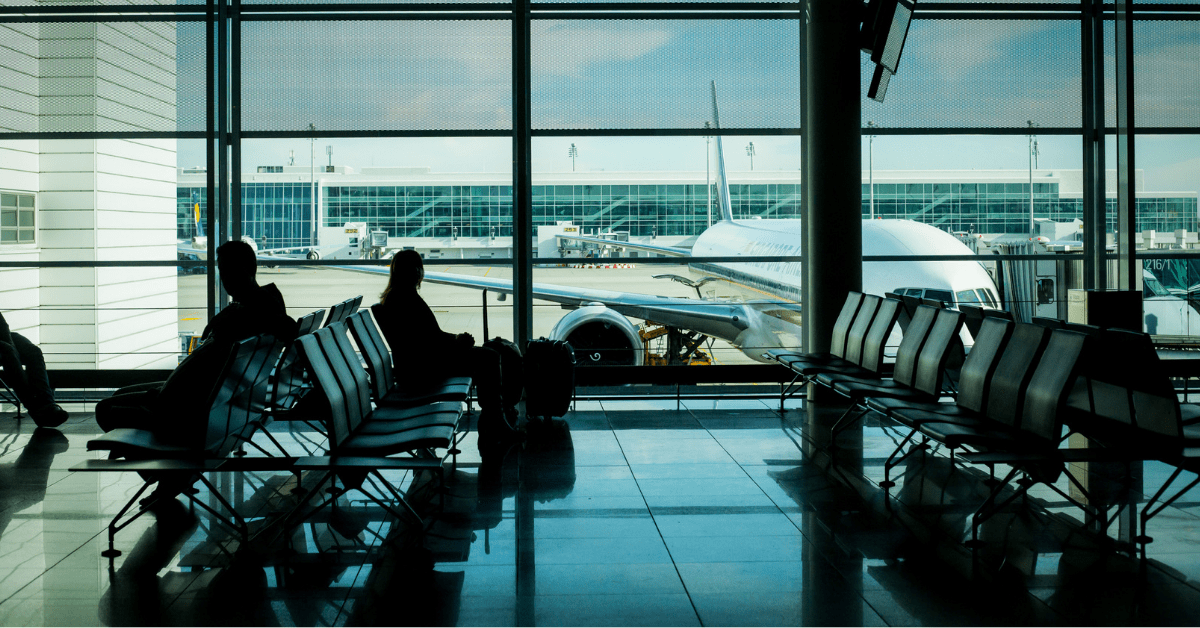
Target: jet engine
[
  {"x": 600, "y": 337},
  {"x": 313, "y": 254}
]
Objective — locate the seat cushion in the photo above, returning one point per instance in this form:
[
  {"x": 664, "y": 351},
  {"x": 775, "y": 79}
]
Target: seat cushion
[
  {"x": 136, "y": 444},
  {"x": 395, "y": 420},
  {"x": 449, "y": 392},
  {"x": 880, "y": 388},
  {"x": 886, "y": 405},
  {"x": 831, "y": 379},
  {"x": 430, "y": 437},
  {"x": 986, "y": 435}
]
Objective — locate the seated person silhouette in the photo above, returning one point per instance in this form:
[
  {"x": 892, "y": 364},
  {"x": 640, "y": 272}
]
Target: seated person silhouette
[
  {"x": 176, "y": 410},
  {"x": 23, "y": 368},
  {"x": 423, "y": 353}
]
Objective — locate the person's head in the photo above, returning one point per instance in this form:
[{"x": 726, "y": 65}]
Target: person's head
[
  {"x": 407, "y": 271},
  {"x": 238, "y": 265}
]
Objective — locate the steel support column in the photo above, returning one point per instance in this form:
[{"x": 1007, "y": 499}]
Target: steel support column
[
  {"x": 1095, "y": 218},
  {"x": 235, "y": 121},
  {"x": 222, "y": 200},
  {"x": 1128, "y": 273},
  {"x": 833, "y": 166},
  {"x": 211, "y": 148},
  {"x": 522, "y": 177}
]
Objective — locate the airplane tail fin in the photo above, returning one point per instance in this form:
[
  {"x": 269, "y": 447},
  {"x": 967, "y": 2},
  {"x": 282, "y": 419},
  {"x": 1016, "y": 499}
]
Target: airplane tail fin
[{"x": 723, "y": 201}]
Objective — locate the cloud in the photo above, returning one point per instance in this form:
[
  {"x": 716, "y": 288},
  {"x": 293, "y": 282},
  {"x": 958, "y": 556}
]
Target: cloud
[{"x": 563, "y": 48}]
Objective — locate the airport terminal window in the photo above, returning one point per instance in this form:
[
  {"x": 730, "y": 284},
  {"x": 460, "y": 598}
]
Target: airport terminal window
[
  {"x": 17, "y": 219},
  {"x": 455, "y": 199}
]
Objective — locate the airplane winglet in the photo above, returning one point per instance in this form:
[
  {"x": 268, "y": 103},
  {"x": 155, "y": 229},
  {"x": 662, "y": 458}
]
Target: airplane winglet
[{"x": 723, "y": 201}]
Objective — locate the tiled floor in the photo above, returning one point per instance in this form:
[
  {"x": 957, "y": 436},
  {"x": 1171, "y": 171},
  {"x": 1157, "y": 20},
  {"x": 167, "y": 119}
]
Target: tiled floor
[{"x": 624, "y": 513}]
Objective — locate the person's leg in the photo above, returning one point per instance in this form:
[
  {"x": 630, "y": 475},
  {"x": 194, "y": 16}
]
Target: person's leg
[
  {"x": 38, "y": 395},
  {"x": 132, "y": 409}
]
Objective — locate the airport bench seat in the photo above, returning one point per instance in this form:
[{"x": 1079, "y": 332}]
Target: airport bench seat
[
  {"x": 381, "y": 376},
  {"x": 236, "y": 410},
  {"x": 343, "y": 380},
  {"x": 919, "y": 370}
]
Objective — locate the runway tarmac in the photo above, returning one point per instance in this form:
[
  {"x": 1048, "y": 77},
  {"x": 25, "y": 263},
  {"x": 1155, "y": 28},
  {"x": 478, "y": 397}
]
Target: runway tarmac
[{"x": 458, "y": 309}]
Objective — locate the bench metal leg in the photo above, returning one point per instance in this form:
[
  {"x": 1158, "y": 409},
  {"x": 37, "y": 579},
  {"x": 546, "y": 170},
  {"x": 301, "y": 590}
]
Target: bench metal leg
[
  {"x": 845, "y": 422},
  {"x": 988, "y": 508},
  {"x": 1149, "y": 511},
  {"x": 893, "y": 460},
  {"x": 237, "y": 524},
  {"x": 113, "y": 527},
  {"x": 787, "y": 390}
]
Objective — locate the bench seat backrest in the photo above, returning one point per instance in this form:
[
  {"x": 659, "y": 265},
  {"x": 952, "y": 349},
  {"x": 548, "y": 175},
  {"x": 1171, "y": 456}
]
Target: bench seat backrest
[
  {"x": 878, "y": 334},
  {"x": 1051, "y": 383},
  {"x": 323, "y": 365},
  {"x": 310, "y": 322},
  {"x": 239, "y": 401},
  {"x": 972, "y": 317},
  {"x": 1006, "y": 399},
  {"x": 351, "y": 377},
  {"x": 290, "y": 379},
  {"x": 379, "y": 363},
  {"x": 905, "y": 369},
  {"x": 974, "y": 380},
  {"x": 343, "y": 310},
  {"x": 845, "y": 319},
  {"x": 937, "y": 351},
  {"x": 858, "y": 331},
  {"x": 1130, "y": 385}
]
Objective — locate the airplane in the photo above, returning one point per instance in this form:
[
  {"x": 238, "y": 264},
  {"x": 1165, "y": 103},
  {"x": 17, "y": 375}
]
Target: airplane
[{"x": 766, "y": 308}]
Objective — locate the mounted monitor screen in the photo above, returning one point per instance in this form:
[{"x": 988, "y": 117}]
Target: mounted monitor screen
[
  {"x": 879, "y": 83},
  {"x": 884, "y": 29}
]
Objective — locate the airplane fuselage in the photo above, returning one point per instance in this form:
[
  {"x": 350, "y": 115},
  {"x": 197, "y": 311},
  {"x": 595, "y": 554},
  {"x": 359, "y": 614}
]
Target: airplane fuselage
[{"x": 772, "y": 289}]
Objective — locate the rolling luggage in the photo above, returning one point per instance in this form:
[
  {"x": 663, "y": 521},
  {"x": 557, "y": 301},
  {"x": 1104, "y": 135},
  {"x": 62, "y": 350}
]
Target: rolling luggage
[
  {"x": 549, "y": 378},
  {"x": 512, "y": 381}
]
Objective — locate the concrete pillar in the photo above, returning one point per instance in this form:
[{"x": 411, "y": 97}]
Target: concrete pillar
[{"x": 833, "y": 166}]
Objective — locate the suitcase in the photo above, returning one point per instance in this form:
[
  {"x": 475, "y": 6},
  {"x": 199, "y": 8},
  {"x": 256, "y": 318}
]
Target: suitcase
[
  {"x": 512, "y": 381},
  {"x": 549, "y": 378}
]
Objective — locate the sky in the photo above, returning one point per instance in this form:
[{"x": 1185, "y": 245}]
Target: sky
[{"x": 656, "y": 74}]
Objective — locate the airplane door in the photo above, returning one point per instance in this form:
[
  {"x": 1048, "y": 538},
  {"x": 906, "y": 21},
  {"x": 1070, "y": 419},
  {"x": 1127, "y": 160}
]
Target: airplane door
[{"x": 1045, "y": 291}]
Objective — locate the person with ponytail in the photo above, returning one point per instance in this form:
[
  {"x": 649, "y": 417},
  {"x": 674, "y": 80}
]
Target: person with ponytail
[{"x": 422, "y": 353}]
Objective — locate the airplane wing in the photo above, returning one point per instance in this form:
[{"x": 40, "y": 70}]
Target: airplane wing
[
  {"x": 724, "y": 320},
  {"x": 669, "y": 251}
]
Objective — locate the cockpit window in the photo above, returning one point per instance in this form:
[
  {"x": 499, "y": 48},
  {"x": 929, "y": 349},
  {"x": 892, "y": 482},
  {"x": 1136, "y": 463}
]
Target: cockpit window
[
  {"x": 941, "y": 295},
  {"x": 988, "y": 297},
  {"x": 968, "y": 296}
]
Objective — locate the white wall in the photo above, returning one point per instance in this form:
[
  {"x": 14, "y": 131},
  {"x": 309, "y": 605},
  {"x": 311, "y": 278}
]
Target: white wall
[{"x": 97, "y": 200}]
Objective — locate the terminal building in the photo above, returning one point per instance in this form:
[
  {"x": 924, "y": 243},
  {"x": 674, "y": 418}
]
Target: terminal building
[{"x": 422, "y": 208}]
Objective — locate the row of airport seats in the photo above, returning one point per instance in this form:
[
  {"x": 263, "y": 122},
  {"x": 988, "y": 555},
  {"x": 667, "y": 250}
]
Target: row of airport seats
[
  {"x": 1021, "y": 392},
  {"x": 369, "y": 427}
]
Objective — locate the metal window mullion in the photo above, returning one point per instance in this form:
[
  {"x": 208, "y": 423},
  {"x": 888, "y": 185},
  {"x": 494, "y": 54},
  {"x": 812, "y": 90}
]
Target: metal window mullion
[
  {"x": 1128, "y": 276},
  {"x": 211, "y": 147},
  {"x": 522, "y": 175},
  {"x": 222, "y": 141},
  {"x": 1095, "y": 270},
  {"x": 235, "y": 121}
]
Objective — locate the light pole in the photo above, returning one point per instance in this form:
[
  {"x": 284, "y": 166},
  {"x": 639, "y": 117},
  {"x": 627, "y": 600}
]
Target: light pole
[
  {"x": 750, "y": 153},
  {"x": 707, "y": 175},
  {"x": 871, "y": 166},
  {"x": 312, "y": 177},
  {"x": 572, "y": 152},
  {"x": 1033, "y": 149}
]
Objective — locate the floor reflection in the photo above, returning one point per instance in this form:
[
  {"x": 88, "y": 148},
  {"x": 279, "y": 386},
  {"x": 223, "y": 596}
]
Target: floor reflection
[{"x": 614, "y": 515}]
